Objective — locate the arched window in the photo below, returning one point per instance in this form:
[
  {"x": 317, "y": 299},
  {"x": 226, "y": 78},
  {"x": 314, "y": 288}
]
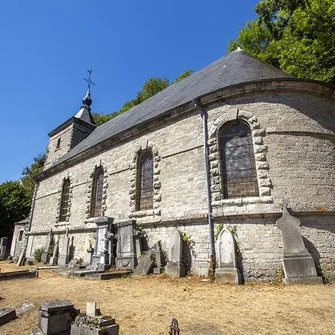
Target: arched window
[
  {"x": 64, "y": 204},
  {"x": 97, "y": 190},
  {"x": 144, "y": 190},
  {"x": 238, "y": 170}
]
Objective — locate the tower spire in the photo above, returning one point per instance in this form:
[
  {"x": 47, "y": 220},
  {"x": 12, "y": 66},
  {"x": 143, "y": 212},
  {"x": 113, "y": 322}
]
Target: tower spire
[{"x": 87, "y": 101}]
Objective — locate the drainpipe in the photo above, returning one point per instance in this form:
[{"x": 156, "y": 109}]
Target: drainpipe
[{"x": 198, "y": 105}]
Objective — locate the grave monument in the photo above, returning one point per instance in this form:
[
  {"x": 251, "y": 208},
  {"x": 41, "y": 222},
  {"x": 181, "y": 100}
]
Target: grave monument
[{"x": 298, "y": 264}]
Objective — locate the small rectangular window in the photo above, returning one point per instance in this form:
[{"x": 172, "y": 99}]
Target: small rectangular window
[{"x": 20, "y": 235}]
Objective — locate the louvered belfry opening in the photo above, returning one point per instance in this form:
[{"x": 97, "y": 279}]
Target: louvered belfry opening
[
  {"x": 64, "y": 205},
  {"x": 97, "y": 190},
  {"x": 238, "y": 171},
  {"x": 144, "y": 191}
]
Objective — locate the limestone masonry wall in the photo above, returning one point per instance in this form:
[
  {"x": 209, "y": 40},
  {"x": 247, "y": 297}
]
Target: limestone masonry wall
[{"x": 293, "y": 136}]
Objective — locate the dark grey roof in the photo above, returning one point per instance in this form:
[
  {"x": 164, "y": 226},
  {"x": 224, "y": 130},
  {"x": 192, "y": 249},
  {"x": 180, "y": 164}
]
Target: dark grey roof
[{"x": 236, "y": 68}]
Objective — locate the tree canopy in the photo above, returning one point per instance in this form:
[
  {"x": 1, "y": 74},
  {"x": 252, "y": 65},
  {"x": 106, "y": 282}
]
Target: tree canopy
[
  {"x": 151, "y": 87},
  {"x": 14, "y": 206},
  {"x": 297, "y": 36},
  {"x": 16, "y": 196}
]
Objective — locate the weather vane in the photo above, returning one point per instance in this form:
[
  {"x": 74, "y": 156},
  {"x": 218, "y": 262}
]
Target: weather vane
[{"x": 88, "y": 80}]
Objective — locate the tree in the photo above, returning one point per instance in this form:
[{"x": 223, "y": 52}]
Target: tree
[
  {"x": 28, "y": 173},
  {"x": 297, "y": 36},
  {"x": 151, "y": 87},
  {"x": 184, "y": 75},
  {"x": 14, "y": 206}
]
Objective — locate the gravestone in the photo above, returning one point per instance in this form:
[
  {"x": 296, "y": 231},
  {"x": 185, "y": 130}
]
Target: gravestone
[
  {"x": 174, "y": 266},
  {"x": 54, "y": 258},
  {"x": 227, "y": 270},
  {"x": 92, "y": 323},
  {"x": 298, "y": 264},
  {"x": 145, "y": 264},
  {"x": 103, "y": 256},
  {"x": 126, "y": 253},
  {"x": 64, "y": 255},
  {"x": 44, "y": 256},
  {"x": 159, "y": 258},
  {"x": 3, "y": 247},
  {"x": 55, "y": 318},
  {"x": 6, "y": 315}
]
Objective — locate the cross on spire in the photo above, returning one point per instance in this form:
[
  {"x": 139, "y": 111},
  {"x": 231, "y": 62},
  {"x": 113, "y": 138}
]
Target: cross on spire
[{"x": 88, "y": 80}]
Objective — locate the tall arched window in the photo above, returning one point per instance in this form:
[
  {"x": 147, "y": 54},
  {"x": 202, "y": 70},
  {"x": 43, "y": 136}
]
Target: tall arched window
[
  {"x": 65, "y": 203},
  {"x": 144, "y": 190},
  {"x": 97, "y": 190},
  {"x": 238, "y": 172}
]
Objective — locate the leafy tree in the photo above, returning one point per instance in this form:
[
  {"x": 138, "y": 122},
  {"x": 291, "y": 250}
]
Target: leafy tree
[
  {"x": 151, "y": 87},
  {"x": 14, "y": 206},
  {"x": 296, "y": 35},
  {"x": 28, "y": 174},
  {"x": 184, "y": 75}
]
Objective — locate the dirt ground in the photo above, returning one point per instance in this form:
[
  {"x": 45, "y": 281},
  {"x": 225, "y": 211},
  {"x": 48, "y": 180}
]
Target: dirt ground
[{"x": 147, "y": 304}]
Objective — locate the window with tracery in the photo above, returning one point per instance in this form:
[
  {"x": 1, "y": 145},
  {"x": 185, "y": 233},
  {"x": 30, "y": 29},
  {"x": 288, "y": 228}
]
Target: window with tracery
[
  {"x": 144, "y": 190},
  {"x": 65, "y": 200},
  {"x": 97, "y": 192},
  {"x": 238, "y": 171}
]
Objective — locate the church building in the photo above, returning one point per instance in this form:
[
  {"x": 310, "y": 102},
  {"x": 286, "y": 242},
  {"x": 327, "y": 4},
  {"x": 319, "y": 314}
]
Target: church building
[{"x": 221, "y": 148}]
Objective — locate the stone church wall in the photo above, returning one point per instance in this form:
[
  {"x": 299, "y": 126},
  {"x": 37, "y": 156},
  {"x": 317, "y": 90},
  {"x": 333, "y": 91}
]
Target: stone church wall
[{"x": 294, "y": 132}]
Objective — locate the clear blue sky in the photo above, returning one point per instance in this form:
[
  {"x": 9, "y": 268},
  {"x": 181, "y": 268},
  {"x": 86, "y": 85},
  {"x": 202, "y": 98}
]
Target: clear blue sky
[{"x": 47, "y": 46}]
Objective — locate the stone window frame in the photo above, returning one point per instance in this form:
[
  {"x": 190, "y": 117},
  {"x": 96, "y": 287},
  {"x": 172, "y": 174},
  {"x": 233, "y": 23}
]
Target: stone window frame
[
  {"x": 157, "y": 196},
  {"x": 259, "y": 149},
  {"x": 60, "y": 192},
  {"x": 90, "y": 182}
]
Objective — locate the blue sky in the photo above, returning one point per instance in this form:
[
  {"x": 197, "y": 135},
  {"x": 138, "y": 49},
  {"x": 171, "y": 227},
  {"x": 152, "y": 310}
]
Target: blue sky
[{"x": 47, "y": 46}]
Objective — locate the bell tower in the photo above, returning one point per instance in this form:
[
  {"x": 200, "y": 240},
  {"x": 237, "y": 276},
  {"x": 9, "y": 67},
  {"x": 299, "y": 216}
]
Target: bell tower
[{"x": 72, "y": 131}]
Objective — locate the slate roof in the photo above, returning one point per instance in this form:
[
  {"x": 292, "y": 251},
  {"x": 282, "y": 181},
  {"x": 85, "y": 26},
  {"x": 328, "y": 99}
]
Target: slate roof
[{"x": 236, "y": 68}]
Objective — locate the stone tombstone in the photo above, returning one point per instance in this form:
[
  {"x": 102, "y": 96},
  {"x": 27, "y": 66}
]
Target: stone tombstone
[
  {"x": 63, "y": 259},
  {"x": 298, "y": 264},
  {"x": 94, "y": 325},
  {"x": 227, "y": 270},
  {"x": 6, "y": 315},
  {"x": 55, "y": 318},
  {"x": 126, "y": 254},
  {"x": 174, "y": 266},
  {"x": 54, "y": 258},
  {"x": 102, "y": 256},
  {"x": 145, "y": 264},
  {"x": 91, "y": 309},
  {"x": 156, "y": 250},
  {"x": 3, "y": 247},
  {"x": 44, "y": 256}
]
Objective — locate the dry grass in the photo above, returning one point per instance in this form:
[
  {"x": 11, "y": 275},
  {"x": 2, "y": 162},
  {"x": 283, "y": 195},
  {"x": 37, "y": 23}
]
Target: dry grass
[{"x": 146, "y": 305}]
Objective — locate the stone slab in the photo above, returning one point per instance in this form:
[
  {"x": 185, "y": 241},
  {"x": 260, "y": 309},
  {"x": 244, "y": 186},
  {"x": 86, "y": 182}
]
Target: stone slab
[
  {"x": 145, "y": 265},
  {"x": 83, "y": 273},
  {"x": 6, "y": 315},
  {"x": 109, "y": 275},
  {"x": 89, "y": 330},
  {"x": 19, "y": 274},
  {"x": 303, "y": 281},
  {"x": 228, "y": 275},
  {"x": 175, "y": 270}
]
